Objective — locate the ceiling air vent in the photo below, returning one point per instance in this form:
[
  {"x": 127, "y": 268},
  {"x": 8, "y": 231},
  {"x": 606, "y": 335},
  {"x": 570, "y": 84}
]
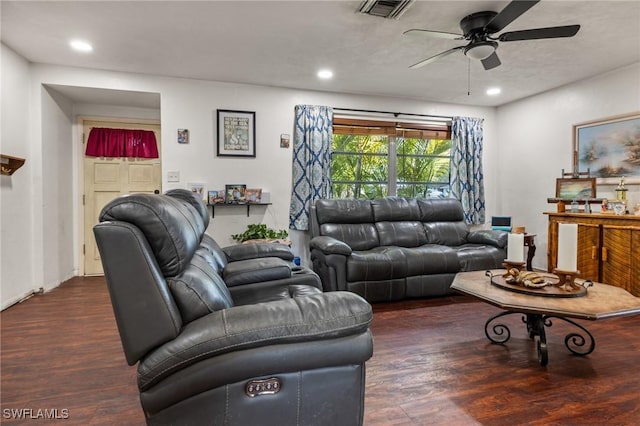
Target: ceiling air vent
[{"x": 391, "y": 9}]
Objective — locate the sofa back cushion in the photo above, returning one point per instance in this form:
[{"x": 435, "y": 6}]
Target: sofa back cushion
[
  {"x": 348, "y": 220},
  {"x": 443, "y": 221},
  {"x": 398, "y": 222},
  {"x": 450, "y": 234},
  {"x": 440, "y": 210}
]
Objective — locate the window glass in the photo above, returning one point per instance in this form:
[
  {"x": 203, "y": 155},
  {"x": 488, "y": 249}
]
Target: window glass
[
  {"x": 359, "y": 166},
  {"x": 423, "y": 167},
  {"x": 377, "y": 165}
]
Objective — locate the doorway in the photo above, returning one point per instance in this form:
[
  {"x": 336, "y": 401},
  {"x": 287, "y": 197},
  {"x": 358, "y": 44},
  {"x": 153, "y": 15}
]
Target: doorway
[{"x": 108, "y": 178}]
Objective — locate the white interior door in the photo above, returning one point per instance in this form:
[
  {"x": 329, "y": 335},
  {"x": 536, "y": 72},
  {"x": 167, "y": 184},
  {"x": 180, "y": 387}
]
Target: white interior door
[{"x": 108, "y": 178}]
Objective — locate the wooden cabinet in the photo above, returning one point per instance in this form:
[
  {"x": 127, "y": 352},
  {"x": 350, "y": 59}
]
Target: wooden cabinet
[{"x": 608, "y": 247}]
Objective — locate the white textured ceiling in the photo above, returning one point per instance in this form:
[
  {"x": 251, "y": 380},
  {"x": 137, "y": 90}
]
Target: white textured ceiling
[{"x": 284, "y": 43}]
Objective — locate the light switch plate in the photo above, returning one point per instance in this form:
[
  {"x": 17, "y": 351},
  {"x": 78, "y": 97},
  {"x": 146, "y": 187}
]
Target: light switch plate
[{"x": 173, "y": 176}]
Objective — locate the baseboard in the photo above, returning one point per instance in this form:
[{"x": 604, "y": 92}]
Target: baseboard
[{"x": 19, "y": 299}]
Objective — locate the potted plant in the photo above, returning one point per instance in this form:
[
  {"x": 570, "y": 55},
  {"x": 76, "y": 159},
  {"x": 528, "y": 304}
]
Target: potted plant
[{"x": 260, "y": 232}]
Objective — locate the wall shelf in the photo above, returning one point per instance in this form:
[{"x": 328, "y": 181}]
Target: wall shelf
[
  {"x": 247, "y": 205},
  {"x": 9, "y": 164}
]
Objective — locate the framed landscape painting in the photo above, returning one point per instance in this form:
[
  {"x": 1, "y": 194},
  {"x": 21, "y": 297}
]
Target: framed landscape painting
[{"x": 609, "y": 148}]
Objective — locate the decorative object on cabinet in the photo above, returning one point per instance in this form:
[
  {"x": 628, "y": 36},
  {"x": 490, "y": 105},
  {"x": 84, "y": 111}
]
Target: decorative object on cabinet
[
  {"x": 608, "y": 247},
  {"x": 573, "y": 189},
  {"x": 9, "y": 164},
  {"x": 236, "y": 133},
  {"x": 235, "y": 194},
  {"x": 610, "y": 147},
  {"x": 198, "y": 188},
  {"x": 183, "y": 135}
]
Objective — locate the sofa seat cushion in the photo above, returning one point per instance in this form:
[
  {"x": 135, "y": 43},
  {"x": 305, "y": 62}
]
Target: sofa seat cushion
[
  {"x": 293, "y": 320},
  {"x": 431, "y": 259},
  {"x": 256, "y": 270},
  {"x": 476, "y": 257},
  {"x": 380, "y": 263}
]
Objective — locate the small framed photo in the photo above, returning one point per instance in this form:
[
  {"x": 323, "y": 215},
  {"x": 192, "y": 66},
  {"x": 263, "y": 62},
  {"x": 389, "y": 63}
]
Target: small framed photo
[
  {"x": 235, "y": 194},
  {"x": 198, "y": 188},
  {"x": 253, "y": 195},
  {"x": 183, "y": 135},
  {"x": 236, "y": 133},
  {"x": 216, "y": 197},
  {"x": 284, "y": 140}
]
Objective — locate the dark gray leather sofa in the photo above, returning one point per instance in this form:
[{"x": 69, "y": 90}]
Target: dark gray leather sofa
[
  {"x": 286, "y": 354},
  {"x": 395, "y": 248}
]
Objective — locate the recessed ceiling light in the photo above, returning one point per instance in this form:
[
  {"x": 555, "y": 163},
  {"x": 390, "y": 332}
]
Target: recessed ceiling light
[
  {"x": 325, "y": 74},
  {"x": 81, "y": 46},
  {"x": 493, "y": 91}
]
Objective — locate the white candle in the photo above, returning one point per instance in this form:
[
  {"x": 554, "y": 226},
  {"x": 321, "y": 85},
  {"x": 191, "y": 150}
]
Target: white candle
[
  {"x": 568, "y": 247},
  {"x": 515, "y": 248}
]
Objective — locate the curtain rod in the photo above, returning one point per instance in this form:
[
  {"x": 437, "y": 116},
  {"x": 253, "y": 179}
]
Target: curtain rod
[{"x": 395, "y": 114}]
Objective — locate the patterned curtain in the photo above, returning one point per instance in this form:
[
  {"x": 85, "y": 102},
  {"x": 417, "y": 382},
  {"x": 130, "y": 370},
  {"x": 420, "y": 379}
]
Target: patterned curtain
[
  {"x": 466, "y": 178},
  {"x": 312, "y": 139}
]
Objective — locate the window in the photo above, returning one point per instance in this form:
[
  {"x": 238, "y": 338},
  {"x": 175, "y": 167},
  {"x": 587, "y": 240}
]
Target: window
[{"x": 374, "y": 159}]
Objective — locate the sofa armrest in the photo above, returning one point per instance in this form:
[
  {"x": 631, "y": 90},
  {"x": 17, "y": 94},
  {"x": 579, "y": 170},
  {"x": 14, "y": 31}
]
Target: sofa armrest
[
  {"x": 303, "y": 319},
  {"x": 258, "y": 250},
  {"x": 488, "y": 236},
  {"x": 329, "y": 245}
]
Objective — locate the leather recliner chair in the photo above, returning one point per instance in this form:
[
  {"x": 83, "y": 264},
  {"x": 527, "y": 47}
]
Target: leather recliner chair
[
  {"x": 291, "y": 356},
  {"x": 257, "y": 271}
]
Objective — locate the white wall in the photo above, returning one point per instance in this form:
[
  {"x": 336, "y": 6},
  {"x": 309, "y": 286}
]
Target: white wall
[
  {"x": 192, "y": 104},
  {"x": 536, "y": 139},
  {"x": 57, "y": 229},
  {"x": 16, "y": 204},
  {"x": 189, "y": 104}
]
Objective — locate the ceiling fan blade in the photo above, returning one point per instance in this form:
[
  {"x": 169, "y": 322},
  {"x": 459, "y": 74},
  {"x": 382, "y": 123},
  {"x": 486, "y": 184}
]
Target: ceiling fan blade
[
  {"x": 539, "y": 33},
  {"x": 436, "y": 34},
  {"x": 509, "y": 14},
  {"x": 435, "y": 57},
  {"x": 491, "y": 62}
]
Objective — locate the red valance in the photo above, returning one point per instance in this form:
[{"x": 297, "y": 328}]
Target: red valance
[{"x": 105, "y": 142}]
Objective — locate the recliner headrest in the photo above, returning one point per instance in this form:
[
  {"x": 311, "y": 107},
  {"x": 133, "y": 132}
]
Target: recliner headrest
[
  {"x": 172, "y": 228},
  {"x": 193, "y": 199}
]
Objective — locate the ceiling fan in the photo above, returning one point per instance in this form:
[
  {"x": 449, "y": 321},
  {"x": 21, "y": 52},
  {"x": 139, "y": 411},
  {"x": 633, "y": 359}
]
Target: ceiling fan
[{"x": 479, "y": 28}]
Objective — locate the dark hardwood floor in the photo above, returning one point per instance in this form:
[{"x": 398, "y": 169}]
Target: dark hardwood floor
[{"x": 432, "y": 365}]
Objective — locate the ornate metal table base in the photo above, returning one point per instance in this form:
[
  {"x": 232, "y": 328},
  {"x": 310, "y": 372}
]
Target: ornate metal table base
[{"x": 536, "y": 323}]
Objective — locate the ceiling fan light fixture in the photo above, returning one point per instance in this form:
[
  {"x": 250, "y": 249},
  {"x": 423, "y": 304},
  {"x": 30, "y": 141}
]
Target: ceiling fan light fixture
[{"x": 480, "y": 50}]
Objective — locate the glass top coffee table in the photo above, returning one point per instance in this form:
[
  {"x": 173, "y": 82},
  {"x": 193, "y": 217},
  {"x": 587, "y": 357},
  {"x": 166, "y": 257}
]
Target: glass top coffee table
[{"x": 601, "y": 301}]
